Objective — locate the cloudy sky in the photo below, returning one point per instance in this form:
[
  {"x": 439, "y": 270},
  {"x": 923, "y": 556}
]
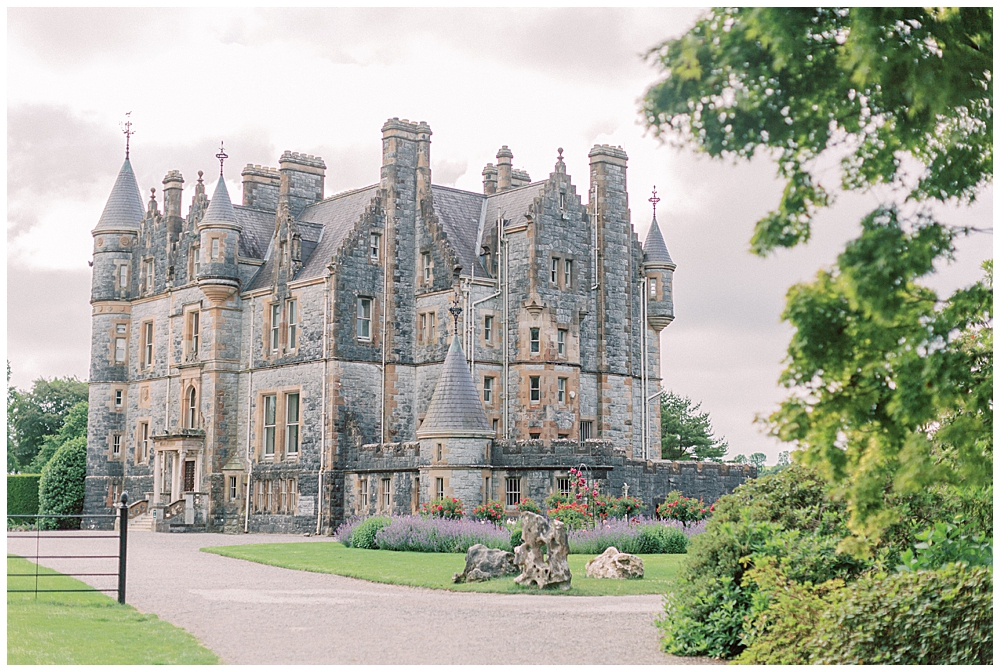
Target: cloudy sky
[{"x": 323, "y": 82}]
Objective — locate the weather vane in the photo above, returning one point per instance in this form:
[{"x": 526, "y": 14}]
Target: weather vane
[
  {"x": 127, "y": 130},
  {"x": 221, "y": 156},
  {"x": 654, "y": 200}
]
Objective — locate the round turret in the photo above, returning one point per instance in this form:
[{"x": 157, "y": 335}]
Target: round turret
[
  {"x": 219, "y": 231},
  {"x": 659, "y": 270}
]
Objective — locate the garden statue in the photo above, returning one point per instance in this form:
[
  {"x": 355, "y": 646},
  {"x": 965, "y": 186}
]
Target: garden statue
[
  {"x": 543, "y": 537},
  {"x": 612, "y": 564},
  {"x": 483, "y": 564}
]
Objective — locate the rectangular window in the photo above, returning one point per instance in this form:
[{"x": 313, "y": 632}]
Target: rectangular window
[
  {"x": 275, "y": 326},
  {"x": 147, "y": 344},
  {"x": 293, "y": 326},
  {"x": 536, "y": 389},
  {"x": 149, "y": 275},
  {"x": 292, "y": 423},
  {"x": 496, "y": 425},
  {"x": 293, "y": 495},
  {"x": 567, "y": 273},
  {"x": 562, "y": 390},
  {"x": 363, "y": 492},
  {"x": 652, "y": 288},
  {"x": 534, "y": 436},
  {"x": 268, "y": 502},
  {"x": 196, "y": 261},
  {"x": 195, "y": 332},
  {"x": 555, "y": 270},
  {"x": 123, "y": 276},
  {"x": 563, "y": 485},
  {"x": 386, "y": 494},
  {"x": 364, "y": 319},
  {"x": 422, "y": 332},
  {"x": 232, "y": 488},
  {"x": 119, "y": 397},
  {"x": 586, "y": 429},
  {"x": 425, "y": 265},
  {"x": 561, "y": 342},
  {"x": 116, "y": 446},
  {"x": 536, "y": 344},
  {"x": 120, "y": 343},
  {"x": 488, "y": 328},
  {"x": 283, "y": 497},
  {"x": 513, "y": 491},
  {"x": 270, "y": 408},
  {"x": 488, "y": 390},
  {"x": 215, "y": 248},
  {"x": 432, "y": 327},
  {"x": 487, "y": 489},
  {"x": 439, "y": 488},
  {"x": 143, "y": 442},
  {"x": 373, "y": 250},
  {"x": 439, "y": 451}
]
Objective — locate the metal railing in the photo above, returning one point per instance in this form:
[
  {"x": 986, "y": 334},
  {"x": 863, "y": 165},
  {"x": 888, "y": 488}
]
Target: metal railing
[{"x": 38, "y": 534}]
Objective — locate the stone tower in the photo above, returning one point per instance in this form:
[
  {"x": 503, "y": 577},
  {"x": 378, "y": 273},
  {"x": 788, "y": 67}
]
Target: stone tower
[
  {"x": 115, "y": 238},
  {"x": 659, "y": 269}
]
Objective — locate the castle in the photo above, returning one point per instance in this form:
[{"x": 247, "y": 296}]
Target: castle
[{"x": 284, "y": 363}]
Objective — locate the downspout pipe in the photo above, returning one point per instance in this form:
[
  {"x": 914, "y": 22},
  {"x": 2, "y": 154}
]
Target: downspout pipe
[
  {"x": 322, "y": 431},
  {"x": 642, "y": 341},
  {"x": 385, "y": 311},
  {"x": 246, "y": 520}
]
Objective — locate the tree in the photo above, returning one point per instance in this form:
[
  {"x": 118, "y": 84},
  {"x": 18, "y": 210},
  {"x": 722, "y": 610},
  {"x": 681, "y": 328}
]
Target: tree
[
  {"x": 61, "y": 488},
  {"x": 39, "y": 413},
  {"x": 891, "y": 385},
  {"x": 75, "y": 426},
  {"x": 686, "y": 434},
  {"x": 757, "y": 460}
]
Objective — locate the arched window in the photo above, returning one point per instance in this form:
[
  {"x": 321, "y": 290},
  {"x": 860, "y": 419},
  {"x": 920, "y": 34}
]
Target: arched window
[{"x": 192, "y": 408}]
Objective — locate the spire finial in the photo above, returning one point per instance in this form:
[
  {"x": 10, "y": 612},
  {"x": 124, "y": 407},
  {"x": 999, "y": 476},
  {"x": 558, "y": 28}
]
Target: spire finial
[
  {"x": 221, "y": 156},
  {"x": 456, "y": 308},
  {"x": 654, "y": 200},
  {"x": 127, "y": 130}
]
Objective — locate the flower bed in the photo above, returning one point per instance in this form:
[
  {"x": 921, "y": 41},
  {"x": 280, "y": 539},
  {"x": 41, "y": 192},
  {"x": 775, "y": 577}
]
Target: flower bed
[
  {"x": 639, "y": 535},
  {"x": 440, "y": 535}
]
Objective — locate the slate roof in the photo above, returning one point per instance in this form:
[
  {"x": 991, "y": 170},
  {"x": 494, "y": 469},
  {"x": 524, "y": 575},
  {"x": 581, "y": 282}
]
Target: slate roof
[
  {"x": 655, "y": 250},
  {"x": 323, "y": 227},
  {"x": 459, "y": 213},
  {"x": 455, "y": 408},
  {"x": 258, "y": 227},
  {"x": 124, "y": 207},
  {"x": 220, "y": 208},
  {"x": 513, "y": 204}
]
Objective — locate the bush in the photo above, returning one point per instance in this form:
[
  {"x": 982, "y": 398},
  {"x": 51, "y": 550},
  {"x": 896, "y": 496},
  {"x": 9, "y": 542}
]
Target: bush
[
  {"x": 660, "y": 539},
  {"x": 22, "y": 496},
  {"x": 945, "y": 543},
  {"x": 439, "y": 535},
  {"x": 641, "y": 536},
  {"x": 683, "y": 509},
  {"x": 786, "y": 516},
  {"x": 446, "y": 507},
  {"x": 515, "y": 536},
  {"x": 492, "y": 511},
  {"x": 528, "y": 505},
  {"x": 909, "y": 618},
  {"x": 363, "y": 535},
  {"x": 573, "y": 515},
  {"x": 61, "y": 487}
]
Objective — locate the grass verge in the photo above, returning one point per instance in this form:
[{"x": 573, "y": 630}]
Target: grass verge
[
  {"x": 434, "y": 570},
  {"x": 87, "y": 628}
]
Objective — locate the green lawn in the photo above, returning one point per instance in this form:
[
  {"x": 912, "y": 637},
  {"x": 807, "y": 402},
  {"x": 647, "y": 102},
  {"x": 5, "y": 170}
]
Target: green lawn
[
  {"x": 434, "y": 570},
  {"x": 87, "y": 628}
]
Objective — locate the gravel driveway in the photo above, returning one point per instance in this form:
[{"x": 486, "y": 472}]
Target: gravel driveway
[{"x": 257, "y": 614}]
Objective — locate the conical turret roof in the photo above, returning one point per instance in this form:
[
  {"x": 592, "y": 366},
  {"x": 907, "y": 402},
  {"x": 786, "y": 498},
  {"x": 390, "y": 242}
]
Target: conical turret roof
[
  {"x": 655, "y": 249},
  {"x": 455, "y": 408},
  {"x": 220, "y": 208},
  {"x": 124, "y": 207}
]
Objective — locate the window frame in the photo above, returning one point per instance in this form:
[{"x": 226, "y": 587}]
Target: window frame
[
  {"x": 488, "y": 389},
  {"x": 269, "y": 439},
  {"x": 233, "y": 491},
  {"x": 652, "y": 289},
  {"x": 191, "y": 408},
  {"x": 148, "y": 332},
  {"x": 488, "y": 328},
  {"x": 216, "y": 249},
  {"x": 426, "y": 268},
  {"x": 586, "y": 429},
  {"x": 386, "y": 490},
  {"x": 292, "y": 325},
  {"x": 554, "y": 273},
  {"x": 142, "y": 442},
  {"x": 364, "y": 304},
  {"x": 510, "y": 491},
  {"x": 374, "y": 247},
  {"x": 534, "y": 340},
  {"x": 562, "y": 390},
  {"x": 439, "y": 487},
  {"x": 116, "y": 446},
  {"x": 123, "y": 273},
  {"x": 362, "y": 492},
  {"x": 274, "y": 343},
  {"x": 561, "y": 338},
  {"x": 292, "y": 427},
  {"x": 567, "y": 273},
  {"x": 119, "y": 397},
  {"x": 534, "y": 390}
]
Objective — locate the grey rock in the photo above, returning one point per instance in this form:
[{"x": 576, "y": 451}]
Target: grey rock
[
  {"x": 483, "y": 564},
  {"x": 543, "y": 569},
  {"x": 613, "y": 564}
]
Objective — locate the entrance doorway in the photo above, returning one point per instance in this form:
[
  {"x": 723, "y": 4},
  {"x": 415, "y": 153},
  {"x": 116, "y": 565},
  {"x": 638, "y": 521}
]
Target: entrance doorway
[{"x": 188, "y": 475}]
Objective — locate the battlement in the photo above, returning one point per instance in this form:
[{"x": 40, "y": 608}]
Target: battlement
[
  {"x": 405, "y": 125},
  {"x": 607, "y": 153},
  {"x": 592, "y": 447},
  {"x": 398, "y": 449},
  {"x": 308, "y": 161}
]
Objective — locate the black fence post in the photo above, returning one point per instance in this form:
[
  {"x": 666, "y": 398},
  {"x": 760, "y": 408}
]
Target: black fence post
[{"x": 122, "y": 545}]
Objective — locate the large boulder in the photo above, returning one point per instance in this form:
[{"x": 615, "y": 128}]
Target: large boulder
[
  {"x": 543, "y": 555},
  {"x": 483, "y": 564},
  {"x": 612, "y": 564}
]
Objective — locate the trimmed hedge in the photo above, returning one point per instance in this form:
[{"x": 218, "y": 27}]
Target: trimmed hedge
[
  {"x": 22, "y": 495},
  {"x": 61, "y": 488}
]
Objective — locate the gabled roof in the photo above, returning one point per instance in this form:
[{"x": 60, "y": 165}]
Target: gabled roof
[
  {"x": 455, "y": 408},
  {"x": 459, "y": 213},
  {"x": 124, "y": 207},
  {"x": 655, "y": 250},
  {"x": 257, "y": 228},
  {"x": 220, "y": 208}
]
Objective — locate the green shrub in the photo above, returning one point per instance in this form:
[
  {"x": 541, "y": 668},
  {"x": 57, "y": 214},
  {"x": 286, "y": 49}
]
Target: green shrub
[
  {"x": 515, "y": 536},
  {"x": 660, "y": 539},
  {"x": 945, "y": 543},
  {"x": 446, "y": 507},
  {"x": 22, "y": 497},
  {"x": 363, "y": 535},
  {"x": 935, "y": 617},
  {"x": 527, "y": 504},
  {"x": 61, "y": 487},
  {"x": 492, "y": 511},
  {"x": 787, "y": 516},
  {"x": 683, "y": 509}
]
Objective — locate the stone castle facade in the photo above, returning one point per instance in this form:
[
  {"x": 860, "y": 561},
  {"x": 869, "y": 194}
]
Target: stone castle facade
[{"x": 281, "y": 364}]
